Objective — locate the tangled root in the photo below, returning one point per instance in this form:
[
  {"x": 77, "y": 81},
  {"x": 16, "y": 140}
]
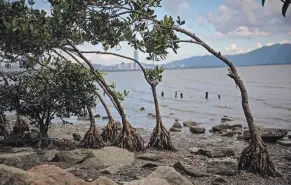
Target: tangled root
[
  {"x": 3, "y": 124},
  {"x": 130, "y": 140},
  {"x": 110, "y": 132},
  {"x": 92, "y": 139},
  {"x": 161, "y": 139},
  {"x": 20, "y": 126},
  {"x": 255, "y": 158}
]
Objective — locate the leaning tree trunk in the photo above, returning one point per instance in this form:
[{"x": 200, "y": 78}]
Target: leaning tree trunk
[
  {"x": 160, "y": 137},
  {"x": 110, "y": 131},
  {"x": 128, "y": 138},
  {"x": 255, "y": 157},
  {"x": 20, "y": 125},
  {"x": 3, "y": 124},
  {"x": 92, "y": 138}
]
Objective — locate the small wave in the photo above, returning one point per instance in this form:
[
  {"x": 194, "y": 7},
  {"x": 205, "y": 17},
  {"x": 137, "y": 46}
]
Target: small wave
[{"x": 277, "y": 106}]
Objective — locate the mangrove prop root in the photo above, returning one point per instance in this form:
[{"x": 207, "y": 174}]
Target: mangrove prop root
[
  {"x": 3, "y": 124},
  {"x": 110, "y": 132},
  {"x": 20, "y": 126},
  {"x": 45, "y": 143},
  {"x": 255, "y": 158},
  {"x": 92, "y": 139},
  {"x": 161, "y": 139},
  {"x": 130, "y": 140}
]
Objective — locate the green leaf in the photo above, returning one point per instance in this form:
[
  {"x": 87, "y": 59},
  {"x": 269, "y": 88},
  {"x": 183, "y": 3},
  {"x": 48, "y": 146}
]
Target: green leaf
[
  {"x": 31, "y": 27},
  {"x": 183, "y": 22}
]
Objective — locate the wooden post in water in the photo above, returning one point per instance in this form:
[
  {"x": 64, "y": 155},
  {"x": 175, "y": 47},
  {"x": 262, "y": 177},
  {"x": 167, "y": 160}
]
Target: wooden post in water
[
  {"x": 206, "y": 95},
  {"x": 162, "y": 93},
  {"x": 181, "y": 95},
  {"x": 219, "y": 96},
  {"x": 176, "y": 93}
]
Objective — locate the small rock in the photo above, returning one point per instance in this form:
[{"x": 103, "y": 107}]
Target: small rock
[
  {"x": 190, "y": 170},
  {"x": 103, "y": 181},
  {"x": 77, "y": 137},
  {"x": 237, "y": 130},
  {"x": 227, "y": 133},
  {"x": 217, "y": 152},
  {"x": 223, "y": 120},
  {"x": 142, "y": 109},
  {"x": 170, "y": 175},
  {"x": 220, "y": 127},
  {"x": 149, "y": 157},
  {"x": 172, "y": 129},
  {"x": 197, "y": 129},
  {"x": 171, "y": 114},
  {"x": 177, "y": 125},
  {"x": 235, "y": 126},
  {"x": 284, "y": 142},
  {"x": 73, "y": 156},
  {"x": 219, "y": 181},
  {"x": 152, "y": 115},
  {"x": 176, "y": 119},
  {"x": 105, "y": 117},
  {"x": 194, "y": 150},
  {"x": 222, "y": 167},
  {"x": 190, "y": 123},
  {"x": 22, "y": 149},
  {"x": 23, "y": 160},
  {"x": 111, "y": 169},
  {"x": 97, "y": 116},
  {"x": 268, "y": 134},
  {"x": 150, "y": 165},
  {"x": 148, "y": 181}
]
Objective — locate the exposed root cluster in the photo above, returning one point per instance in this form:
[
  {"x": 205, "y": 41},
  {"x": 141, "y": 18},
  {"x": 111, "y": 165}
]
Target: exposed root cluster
[
  {"x": 92, "y": 139},
  {"x": 110, "y": 132},
  {"x": 45, "y": 143},
  {"x": 3, "y": 124},
  {"x": 20, "y": 126},
  {"x": 255, "y": 158},
  {"x": 130, "y": 140},
  {"x": 161, "y": 139}
]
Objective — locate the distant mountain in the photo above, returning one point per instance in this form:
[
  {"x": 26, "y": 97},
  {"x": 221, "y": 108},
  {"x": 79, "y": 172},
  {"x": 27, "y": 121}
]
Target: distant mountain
[{"x": 267, "y": 55}]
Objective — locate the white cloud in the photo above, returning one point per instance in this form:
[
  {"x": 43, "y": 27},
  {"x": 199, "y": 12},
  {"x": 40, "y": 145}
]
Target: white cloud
[
  {"x": 218, "y": 34},
  {"x": 249, "y": 13},
  {"x": 233, "y": 49},
  {"x": 176, "y": 7},
  {"x": 244, "y": 31},
  {"x": 285, "y": 42}
]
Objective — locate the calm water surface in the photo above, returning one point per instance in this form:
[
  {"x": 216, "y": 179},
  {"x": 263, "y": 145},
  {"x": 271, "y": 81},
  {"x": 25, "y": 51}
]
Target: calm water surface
[{"x": 269, "y": 90}]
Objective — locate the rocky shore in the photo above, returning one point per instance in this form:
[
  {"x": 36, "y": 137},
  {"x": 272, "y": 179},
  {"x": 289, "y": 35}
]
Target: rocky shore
[{"x": 200, "y": 159}]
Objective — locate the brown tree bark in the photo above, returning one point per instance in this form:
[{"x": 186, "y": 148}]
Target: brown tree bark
[
  {"x": 160, "y": 137},
  {"x": 3, "y": 124},
  {"x": 20, "y": 126},
  {"x": 254, "y": 158},
  {"x": 110, "y": 131},
  {"x": 92, "y": 138},
  {"x": 128, "y": 138}
]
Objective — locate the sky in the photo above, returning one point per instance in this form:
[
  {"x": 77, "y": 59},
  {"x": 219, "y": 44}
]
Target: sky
[{"x": 229, "y": 26}]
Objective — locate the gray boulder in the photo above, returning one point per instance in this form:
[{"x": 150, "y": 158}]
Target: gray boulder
[
  {"x": 222, "y": 167},
  {"x": 170, "y": 175},
  {"x": 225, "y": 119},
  {"x": 268, "y": 134},
  {"x": 148, "y": 181},
  {"x": 190, "y": 123},
  {"x": 220, "y": 127},
  {"x": 173, "y": 129},
  {"x": 190, "y": 170},
  {"x": 197, "y": 129},
  {"x": 23, "y": 160},
  {"x": 73, "y": 156},
  {"x": 216, "y": 152},
  {"x": 284, "y": 142},
  {"x": 177, "y": 125}
]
